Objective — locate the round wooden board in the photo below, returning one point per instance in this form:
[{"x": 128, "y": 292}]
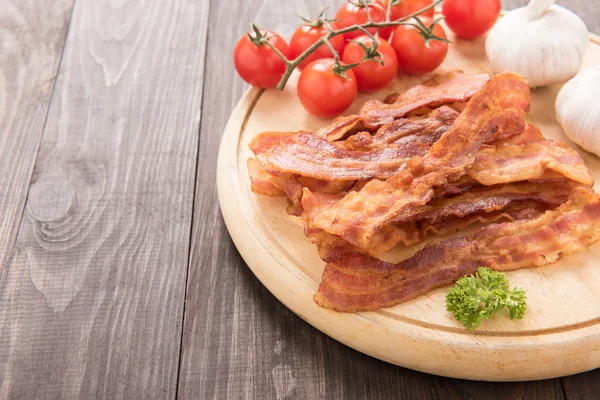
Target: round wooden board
[{"x": 560, "y": 334}]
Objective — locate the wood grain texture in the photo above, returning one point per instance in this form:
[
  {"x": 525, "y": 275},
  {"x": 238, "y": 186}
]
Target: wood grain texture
[
  {"x": 582, "y": 386},
  {"x": 239, "y": 341},
  {"x": 92, "y": 301},
  {"x": 32, "y": 36}
]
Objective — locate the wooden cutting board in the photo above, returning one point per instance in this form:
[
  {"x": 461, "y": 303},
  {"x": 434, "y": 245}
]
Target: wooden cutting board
[{"x": 560, "y": 334}]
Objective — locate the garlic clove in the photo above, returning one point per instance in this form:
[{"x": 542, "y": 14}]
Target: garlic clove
[
  {"x": 578, "y": 111},
  {"x": 543, "y": 42}
]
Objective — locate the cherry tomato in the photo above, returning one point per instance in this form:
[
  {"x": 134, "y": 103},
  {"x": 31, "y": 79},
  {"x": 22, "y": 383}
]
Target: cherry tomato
[
  {"x": 258, "y": 64},
  {"x": 470, "y": 18},
  {"x": 352, "y": 14},
  {"x": 413, "y": 57},
  {"x": 306, "y": 35},
  {"x": 370, "y": 74},
  {"x": 324, "y": 93},
  {"x": 402, "y": 8}
]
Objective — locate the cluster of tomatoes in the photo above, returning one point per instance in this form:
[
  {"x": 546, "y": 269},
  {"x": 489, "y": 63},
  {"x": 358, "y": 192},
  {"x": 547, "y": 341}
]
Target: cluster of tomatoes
[{"x": 367, "y": 62}]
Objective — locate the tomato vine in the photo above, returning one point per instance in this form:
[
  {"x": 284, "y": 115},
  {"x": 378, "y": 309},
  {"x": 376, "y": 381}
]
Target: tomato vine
[{"x": 426, "y": 32}]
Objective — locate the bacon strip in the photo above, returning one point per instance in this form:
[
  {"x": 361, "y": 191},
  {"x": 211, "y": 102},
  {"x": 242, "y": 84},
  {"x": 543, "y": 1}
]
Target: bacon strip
[
  {"x": 277, "y": 184},
  {"x": 512, "y": 162},
  {"x": 331, "y": 247},
  {"x": 306, "y": 154},
  {"x": 515, "y": 211},
  {"x": 443, "y": 215},
  {"x": 356, "y": 282},
  {"x": 376, "y": 113},
  {"x": 525, "y": 160},
  {"x": 460, "y": 89},
  {"x": 313, "y": 203},
  {"x": 417, "y": 136},
  {"x": 488, "y": 199},
  {"x": 531, "y": 134},
  {"x": 359, "y": 215},
  {"x": 265, "y": 182},
  {"x": 341, "y": 127}
]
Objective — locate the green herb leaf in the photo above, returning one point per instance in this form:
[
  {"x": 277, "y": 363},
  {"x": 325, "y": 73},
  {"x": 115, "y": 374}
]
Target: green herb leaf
[{"x": 483, "y": 295}]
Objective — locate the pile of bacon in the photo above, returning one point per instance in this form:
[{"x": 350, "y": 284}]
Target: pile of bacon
[{"x": 432, "y": 161}]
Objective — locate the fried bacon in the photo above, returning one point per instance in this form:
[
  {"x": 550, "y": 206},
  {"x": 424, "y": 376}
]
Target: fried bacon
[
  {"x": 501, "y": 105},
  {"x": 515, "y": 211},
  {"x": 444, "y": 215},
  {"x": 387, "y": 238},
  {"x": 381, "y": 155},
  {"x": 517, "y": 162},
  {"x": 341, "y": 128},
  {"x": 306, "y": 154},
  {"x": 412, "y": 168},
  {"x": 488, "y": 199},
  {"x": 265, "y": 182},
  {"x": 530, "y": 135},
  {"x": 416, "y": 136},
  {"x": 376, "y": 113},
  {"x": 460, "y": 89},
  {"x": 493, "y": 165},
  {"x": 357, "y": 282}
]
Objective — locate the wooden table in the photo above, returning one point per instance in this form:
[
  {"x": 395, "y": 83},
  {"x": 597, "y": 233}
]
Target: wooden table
[{"x": 118, "y": 277}]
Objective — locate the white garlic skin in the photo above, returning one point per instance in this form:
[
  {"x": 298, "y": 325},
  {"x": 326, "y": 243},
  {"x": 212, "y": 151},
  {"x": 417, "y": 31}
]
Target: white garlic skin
[
  {"x": 578, "y": 109},
  {"x": 545, "y": 43}
]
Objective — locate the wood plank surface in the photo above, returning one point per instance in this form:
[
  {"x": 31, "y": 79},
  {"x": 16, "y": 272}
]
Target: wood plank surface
[
  {"x": 32, "y": 36},
  {"x": 239, "y": 341},
  {"x": 92, "y": 301}
]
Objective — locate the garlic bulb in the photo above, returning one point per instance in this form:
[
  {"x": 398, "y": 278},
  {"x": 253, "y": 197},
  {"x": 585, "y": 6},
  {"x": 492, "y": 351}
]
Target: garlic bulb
[
  {"x": 578, "y": 111},
  {"x": 543, "y": 42}
]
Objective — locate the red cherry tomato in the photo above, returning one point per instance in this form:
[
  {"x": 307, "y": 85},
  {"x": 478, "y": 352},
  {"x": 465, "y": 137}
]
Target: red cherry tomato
[
  {"x": 413, "y": 57},
  {"x": 324, "y": 93},
  {"x": 258, "y": 64},
  {"x": 370, "y": 74},
  {"x": 351, "y": 14},
  {"x": 306, "y": 35},
  {"x": 402, "y": 8},
  {"x": 470, "y": 18}
]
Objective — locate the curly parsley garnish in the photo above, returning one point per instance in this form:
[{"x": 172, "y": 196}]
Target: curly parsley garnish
[{"x": 484, "y": 295}]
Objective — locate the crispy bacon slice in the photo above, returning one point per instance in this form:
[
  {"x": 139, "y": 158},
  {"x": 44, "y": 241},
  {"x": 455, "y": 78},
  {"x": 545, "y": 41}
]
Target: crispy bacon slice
[
  {"x": 518, "y": 162},
  {"x": 357, "y": 282},
  {"x": 341, "y": 127},
  {"x": 444, "y": 215},
  {"x": 493, "y": 165},
  {"x": 306, "y": 154},
  {"x": 460, "y": 89},
  {"x": 515, "y": 211},
  {"x": 277, "y": 184},
  {"x": 416, "y": 136},
  {"x": 357, "y": 218},
  {"x": 331, "y": 247},
  {"x": 531, "y": 134},
  {"x": 488, "y": 199},
  {"x": 404, "y": 232},
  {"x": 265, "y": 182},
  {"x": 376, "y": 113}
]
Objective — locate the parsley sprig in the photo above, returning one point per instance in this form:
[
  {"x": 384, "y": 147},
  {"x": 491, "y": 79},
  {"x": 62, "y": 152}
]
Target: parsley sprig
[{"x": 483, "y": 295}]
